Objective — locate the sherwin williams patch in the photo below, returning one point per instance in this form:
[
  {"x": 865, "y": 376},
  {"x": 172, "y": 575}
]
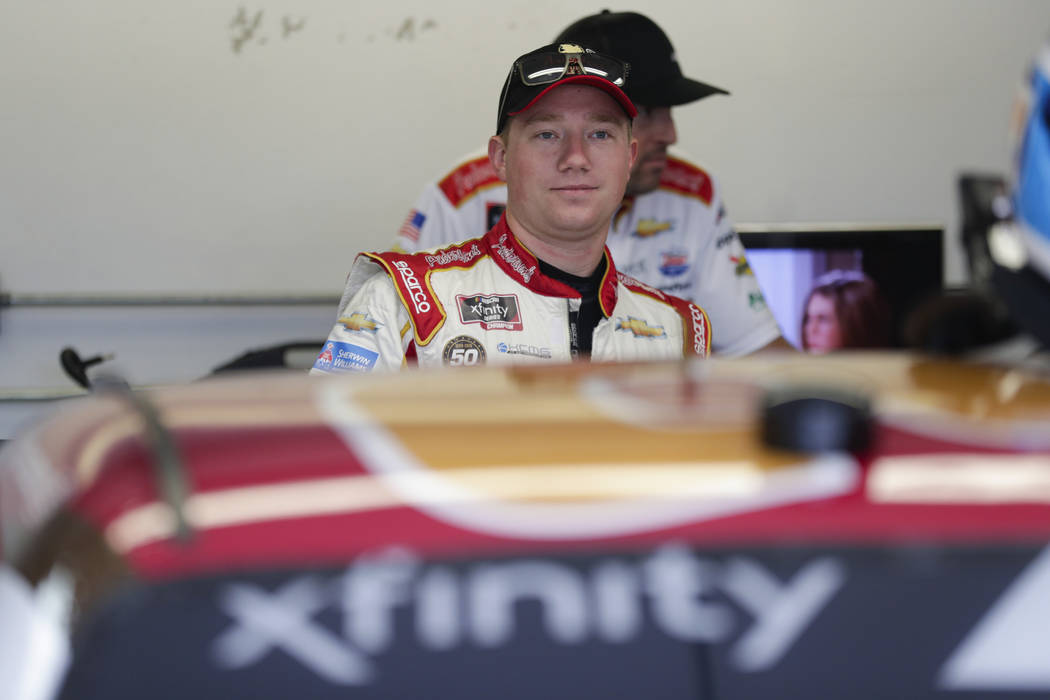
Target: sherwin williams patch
[{"x": 345, "y": 357}]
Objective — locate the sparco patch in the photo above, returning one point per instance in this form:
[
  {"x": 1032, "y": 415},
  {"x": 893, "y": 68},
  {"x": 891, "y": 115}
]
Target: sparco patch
[
  {"x": 492, "y": 311},
  {"x": 419, "y": 298},
  {"x": 463, "y": 351}
]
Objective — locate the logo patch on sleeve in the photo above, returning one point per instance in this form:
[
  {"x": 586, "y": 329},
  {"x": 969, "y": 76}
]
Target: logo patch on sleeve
[
  {"x": 650, "y": 227},
  {"x": 413, "y": 223},
  {"x": 360, "y": 321},
  {"x": 674, "y": 263},
  {"x": 491, "y": 311},
  {"x": 345, "y": 357},
  {"x": 740, "y": 265},
  {"x": 640, "y": 328}
]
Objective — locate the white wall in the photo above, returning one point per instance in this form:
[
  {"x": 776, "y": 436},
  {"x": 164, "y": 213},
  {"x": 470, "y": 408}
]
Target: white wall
[{"x": 141, "y": 153}]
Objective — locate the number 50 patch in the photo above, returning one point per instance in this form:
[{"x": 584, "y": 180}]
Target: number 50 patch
[{"x": 463, "y": 351}]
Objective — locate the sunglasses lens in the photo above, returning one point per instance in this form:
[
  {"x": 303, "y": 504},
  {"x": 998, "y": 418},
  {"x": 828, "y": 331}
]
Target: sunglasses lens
[
  {"x": 543, "y": 75},
  {"x": 543, "y": 69}
]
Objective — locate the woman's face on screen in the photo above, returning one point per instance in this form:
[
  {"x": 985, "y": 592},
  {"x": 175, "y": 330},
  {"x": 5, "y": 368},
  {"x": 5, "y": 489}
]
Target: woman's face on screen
[{"x": 820, "y": 327}]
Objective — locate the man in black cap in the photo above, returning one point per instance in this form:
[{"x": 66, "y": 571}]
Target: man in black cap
[
  {"x": 671, "y": 230},
  {"x": 540, "y": 286}
]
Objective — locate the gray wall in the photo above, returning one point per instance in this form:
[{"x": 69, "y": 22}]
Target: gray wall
[{"x": 142, "y": 151}]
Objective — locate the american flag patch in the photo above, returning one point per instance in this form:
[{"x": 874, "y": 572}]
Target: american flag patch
[{"x": 410, "y": 229}]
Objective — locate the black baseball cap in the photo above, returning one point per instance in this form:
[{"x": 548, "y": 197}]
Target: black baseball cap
[
  {"x": 656, "y": 77},
  {"x": 538, "y": 72}
]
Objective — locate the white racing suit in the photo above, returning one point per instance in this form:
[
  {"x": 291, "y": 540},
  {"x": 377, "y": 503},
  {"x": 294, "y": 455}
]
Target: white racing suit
[
  {"x": 676, "y": 238},
  {"x": 486, "y": 301}
]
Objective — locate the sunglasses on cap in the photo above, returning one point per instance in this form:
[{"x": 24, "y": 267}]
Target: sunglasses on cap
[
  {"x": 537, "y": 72},
  {"x": 548, "y": 67}
]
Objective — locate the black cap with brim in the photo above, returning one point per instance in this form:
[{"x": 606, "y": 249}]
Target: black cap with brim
[
  {"x": 656, "y": 77},
  {"x": 678, "y": 91},
  {"x": 517, "y": 97}
]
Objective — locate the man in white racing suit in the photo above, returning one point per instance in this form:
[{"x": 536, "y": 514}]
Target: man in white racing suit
[
  {"x": 540, "y": 285},
  {"x": 671, "y": 230}
]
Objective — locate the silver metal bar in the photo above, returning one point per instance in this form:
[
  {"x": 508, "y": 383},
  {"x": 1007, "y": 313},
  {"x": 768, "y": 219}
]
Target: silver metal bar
[
  {"x": 835, "y": 226},
  {"x": 145, "y": 300},
  {"x": 33, "y": 395}
]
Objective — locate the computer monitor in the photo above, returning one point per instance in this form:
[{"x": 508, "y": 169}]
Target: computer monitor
[{"x": 905, "y": 261}]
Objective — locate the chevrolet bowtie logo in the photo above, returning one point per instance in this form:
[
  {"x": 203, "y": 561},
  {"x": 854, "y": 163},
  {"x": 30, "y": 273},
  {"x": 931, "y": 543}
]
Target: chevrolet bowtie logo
[
  {"x": 651, "y": 227},
  {"x": 358, "y": 321},
  {"x": 640, "y": 328}
]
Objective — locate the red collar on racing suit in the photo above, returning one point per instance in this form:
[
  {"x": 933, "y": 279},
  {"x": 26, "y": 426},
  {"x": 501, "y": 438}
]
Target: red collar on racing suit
[{"x": 411, "y": 272}]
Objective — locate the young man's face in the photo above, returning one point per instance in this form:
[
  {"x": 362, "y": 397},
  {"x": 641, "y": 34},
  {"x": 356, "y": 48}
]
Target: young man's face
[
  {"x": 566, "y": 161},
  {"x": 654, "y": 129}
]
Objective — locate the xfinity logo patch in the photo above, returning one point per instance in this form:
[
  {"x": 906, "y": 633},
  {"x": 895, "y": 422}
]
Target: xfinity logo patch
[
  {"x": 492, "y": 311},
  {"x": 607, "y": 601}
]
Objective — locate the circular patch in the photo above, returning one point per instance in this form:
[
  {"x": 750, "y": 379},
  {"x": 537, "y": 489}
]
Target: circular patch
[{"x": 463, "y": 351}]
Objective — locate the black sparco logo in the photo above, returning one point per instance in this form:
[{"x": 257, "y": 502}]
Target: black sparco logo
[{"x": 492, "y": 311}]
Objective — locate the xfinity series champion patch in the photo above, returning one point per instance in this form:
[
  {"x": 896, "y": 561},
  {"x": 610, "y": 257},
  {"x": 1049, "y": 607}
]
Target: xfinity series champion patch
[
  {"x": 492, "y": 311},
  {"x": 345, "y": 357}
]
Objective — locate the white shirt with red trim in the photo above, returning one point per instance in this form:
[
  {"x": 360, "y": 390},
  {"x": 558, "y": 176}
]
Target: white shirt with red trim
[
  {"x": 676, "y": 238},
  {"x": 486, "y": 301}
]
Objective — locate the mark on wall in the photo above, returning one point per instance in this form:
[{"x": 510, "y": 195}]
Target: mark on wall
[
  {"x": 288, "y": 26},
  {"x": 407, "y": 30},
  {"x": 247, "y": 28},
  {"x": 244, "y": 28}
]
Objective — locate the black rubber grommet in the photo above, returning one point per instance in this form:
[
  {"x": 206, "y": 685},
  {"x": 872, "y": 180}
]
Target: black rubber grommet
[{"x": 816, "y": 419}]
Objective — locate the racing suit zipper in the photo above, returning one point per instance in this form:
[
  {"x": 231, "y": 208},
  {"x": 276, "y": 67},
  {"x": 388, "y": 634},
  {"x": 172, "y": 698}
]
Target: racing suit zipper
[{"x": 574, "y": 329}]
